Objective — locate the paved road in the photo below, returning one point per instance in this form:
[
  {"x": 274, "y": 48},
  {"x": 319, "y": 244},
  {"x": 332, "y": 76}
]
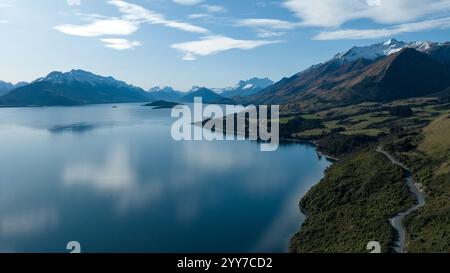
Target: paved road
[{"x": 397, "y": 221}]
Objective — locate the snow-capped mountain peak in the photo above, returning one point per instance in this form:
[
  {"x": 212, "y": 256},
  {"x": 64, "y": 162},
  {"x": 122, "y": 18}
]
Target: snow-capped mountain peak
[
  {"x": 387, "y": 48},
  {"x": 371, "y": 52},
  {"x": 5, "y": 87},
  {"x": 195, "y": 88},
  {"x": 161, "y": 89},
  {"x": 246, "y": 88},
  {"x": 57, "y": 77}
]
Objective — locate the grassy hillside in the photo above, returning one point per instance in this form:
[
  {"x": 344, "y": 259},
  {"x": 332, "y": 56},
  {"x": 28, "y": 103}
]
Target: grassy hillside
[
  {"x": 427, "y": 152},
  {"x": 436, "y": 141},
  {"x": 352, "y": 205}
]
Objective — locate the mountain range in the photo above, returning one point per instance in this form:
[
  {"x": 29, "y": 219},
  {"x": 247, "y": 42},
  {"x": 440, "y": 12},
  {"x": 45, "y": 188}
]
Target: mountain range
[
  {"x": 79, "y": 87},
  {"x": 242, "y": 89},
  {"x": 380, "y": 72},
  {"x": 165, "y": 93},
  {"x": 245, "y": 88},
  {"x": 6, "y": 87},
  {"x": 76, "y": 87},
  {"x": 207, "y": 95}
]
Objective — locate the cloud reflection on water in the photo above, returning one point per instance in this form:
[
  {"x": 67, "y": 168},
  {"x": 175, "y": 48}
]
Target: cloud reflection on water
[
  {"x": 27, "y": 222},
  {"x": 114, "y": 176}
]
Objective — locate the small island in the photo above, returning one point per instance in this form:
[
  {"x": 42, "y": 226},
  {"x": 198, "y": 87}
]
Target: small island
[{"x": 161, "y": 104}]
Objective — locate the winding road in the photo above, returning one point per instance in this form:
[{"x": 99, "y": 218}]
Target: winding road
[{"x": 397, "y": 221}]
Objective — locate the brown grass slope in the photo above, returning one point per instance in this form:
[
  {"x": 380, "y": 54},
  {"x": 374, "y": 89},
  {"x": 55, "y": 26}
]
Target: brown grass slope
[{"x": 406, "y": 74}]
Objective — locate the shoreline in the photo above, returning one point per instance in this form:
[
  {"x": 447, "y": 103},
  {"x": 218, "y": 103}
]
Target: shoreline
[
  {"x": 330, "y": 158},
  {"x": 310, "y": 142}
]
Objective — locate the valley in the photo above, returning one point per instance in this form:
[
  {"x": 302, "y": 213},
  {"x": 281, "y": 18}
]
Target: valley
[
  {"x": 393, "y": 95},
  {"x": 352, "y": 192}
]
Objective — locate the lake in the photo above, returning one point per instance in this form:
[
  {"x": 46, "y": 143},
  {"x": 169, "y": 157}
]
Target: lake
[{"x": 115, "y": 181}]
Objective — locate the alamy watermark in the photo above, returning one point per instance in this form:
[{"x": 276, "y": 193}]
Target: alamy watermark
[{"x": 230, "y": 122}]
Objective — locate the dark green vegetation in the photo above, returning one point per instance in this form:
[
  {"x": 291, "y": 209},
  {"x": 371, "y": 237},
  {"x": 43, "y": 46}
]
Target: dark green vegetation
[
  {"x": 427, "y": 152},
  {"x": 400, "y": 102},
  {"x": 161, "y": 104},
  {"x": 350, "y": 207},
  {"x": 401, "y": 111},
  {"x": 360, "y": 193},
  {"x": 297, "y": 124}
]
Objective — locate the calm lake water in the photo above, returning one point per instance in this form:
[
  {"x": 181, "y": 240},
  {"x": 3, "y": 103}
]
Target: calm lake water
[{"x": 115, "y": 181}]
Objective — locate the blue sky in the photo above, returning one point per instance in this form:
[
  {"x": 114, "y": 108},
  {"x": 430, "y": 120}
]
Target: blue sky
[{"x": 201, "y": 42}]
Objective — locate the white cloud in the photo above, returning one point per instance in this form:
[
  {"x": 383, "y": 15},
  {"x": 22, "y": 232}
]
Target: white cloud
[
  {"x": 120, "y": 44},
  {"x": 334, "y": 13},
  {"x": 73, "y": 2},
  {"x": 267, "y": 28},
  {"x": 214, "y": 8},
  {"x": 188, "y": 2},
  {"x": 198, "y": 15},
  {"x": 214, "y": 44},
  {"x": 3, "y": 21},
  {"x": 134, "y": 12},
  {"x": 100, "y": 28},
  {"x": 132, "y": 17},
  {"x": 270, "y": 34},
  {"x": 383, "y": 32},
  {"x": 209, "y": 8},
  {"x": 267, "y": 23}
]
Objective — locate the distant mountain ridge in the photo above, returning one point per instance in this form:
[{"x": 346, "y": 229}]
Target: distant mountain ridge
[
  {"x": 385, "y": 71},
  {"x": 379, "y": 72},
  {"x": 207, "y": 95},
  {"x": 76, "y": 87},
  {"x": 380, "y": 50},
  {"x": 165, "y": 93},
  {"x": 245, "y": 87},
  {"x": 6, "y": 87},
  {"x": 79, "y": 87}
]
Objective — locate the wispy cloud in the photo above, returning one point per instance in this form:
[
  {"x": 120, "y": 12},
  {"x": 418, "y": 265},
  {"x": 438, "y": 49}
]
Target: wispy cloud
[
  {"x": 267, "y": 23},
  {"x": 120, "y": 44},
  {"x": 214, "y": 8},
  {"x": 188, "y": 2},
  {"x": 215, "y": 44},
  {"x": 270, "y": 34},
  {"x": 333, "y": 13},
  {"x": 100, "y": 28},
  {"x": 4, "y": 21},
  {"x": 394, "y": 16},
  {"x": 137, "y": 13},
  {"x": 267, "y": 28},
  {"x": 208, "y": 7},
  {"x": 383, "y": 32},
  {"x": 73, "y": 2},
  {"x": 198, "y": 15},
  {"x": 132, "y": 18}
]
